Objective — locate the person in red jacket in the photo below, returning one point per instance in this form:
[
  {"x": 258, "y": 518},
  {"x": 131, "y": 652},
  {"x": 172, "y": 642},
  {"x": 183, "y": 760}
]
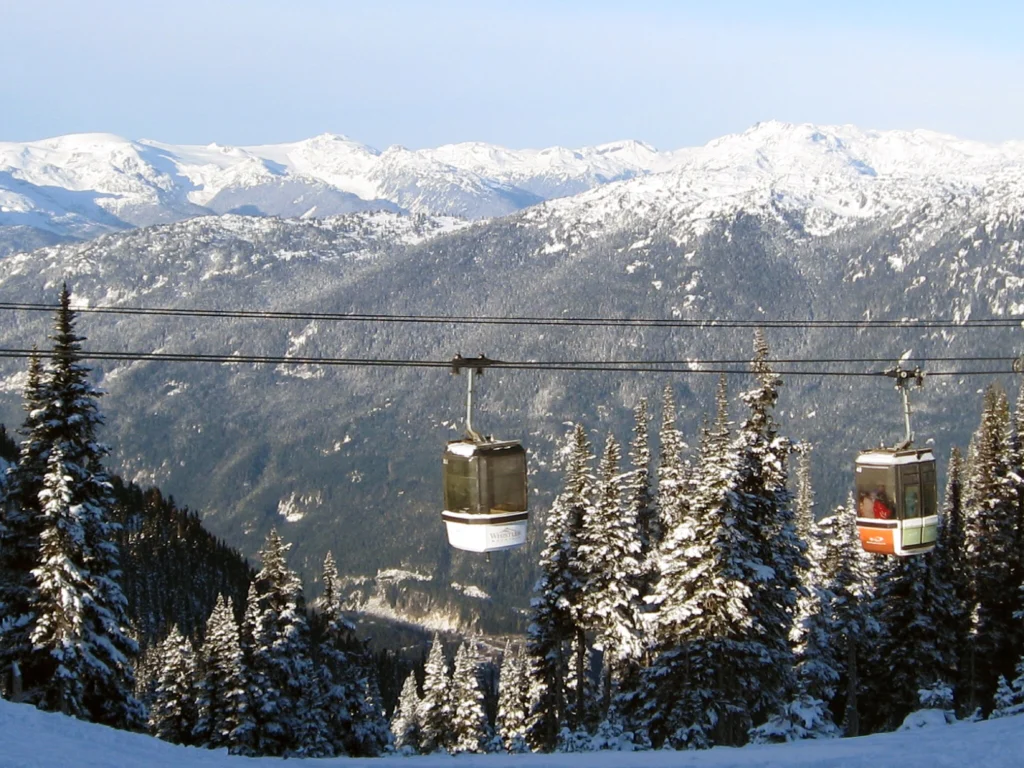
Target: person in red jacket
[{"x": 882, "y": 508}]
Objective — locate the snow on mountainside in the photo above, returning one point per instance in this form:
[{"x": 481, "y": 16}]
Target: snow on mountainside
[
  {"x": 41, "y": 740},
  {"x": 86, "y": 184},
  {"x": 828, "y": 177},
  {"x": 82, "y": 185}
]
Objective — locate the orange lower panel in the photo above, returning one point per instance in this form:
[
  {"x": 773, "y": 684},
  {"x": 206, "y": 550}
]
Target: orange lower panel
[{"x": 878, "y": 540}]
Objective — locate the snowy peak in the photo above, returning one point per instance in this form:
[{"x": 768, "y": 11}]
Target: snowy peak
[
  {"x": 829, "y": 176},
  {"x": 85, "y": 184}
]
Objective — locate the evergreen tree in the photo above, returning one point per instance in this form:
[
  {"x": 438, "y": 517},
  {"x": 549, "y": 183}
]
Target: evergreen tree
[
  {"x": 912, "y": 606},
  {"x": 684, "y": 697},
  {"x": 640, "y": 498},
  {"x": 556, "y": 603},
  {"x": 470, "y": 731},
  {"x": 847, "y": 574},
  {"x": 948, "y": 561},
  {"x": 993, "y": 550},
  {"x": 1009, "y": 697},
  {"x": 173, "y": 714},
  {"x": 77, "y": 612},
  {"x": 339, "y": 683},
  {"x": 435, "y": 706},
  {"x": 405, "y": 724},
  {"x": 804, "y": 503},
  {"x": 20, "y": 532},
  {"x": 282, "y": 686},
  {"x": 766, "y": 521},
  {"x": 513, "y": 701},
  {"x": 371, "y": 735},
  {"x": 221, "y": 702},
  {"x": 672, "y": 481},
  {"x": 609, "y": 551}
]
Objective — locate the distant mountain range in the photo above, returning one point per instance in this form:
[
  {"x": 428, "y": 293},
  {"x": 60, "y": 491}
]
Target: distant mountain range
[
  {"x": 79, "y": 186},
  {"x": 781, "y": 222}
]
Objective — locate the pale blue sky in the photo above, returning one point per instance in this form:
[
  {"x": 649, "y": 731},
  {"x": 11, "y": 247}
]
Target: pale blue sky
[{"x": 527, "y": 73}]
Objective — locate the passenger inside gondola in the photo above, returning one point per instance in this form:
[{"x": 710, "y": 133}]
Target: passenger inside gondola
[{"x": 881, "y": 507}]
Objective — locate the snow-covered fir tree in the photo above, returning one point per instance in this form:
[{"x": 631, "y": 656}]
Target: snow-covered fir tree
[
  {"x": 990, "y": 502},
  {"x": 1009, "y": 697},
  {"x": 338, "y": 676},
  {"x": 19, "y": 537},
  {"x": 693, "y": 598},
  {"x": 405, "y": 723},
  {"x": 222, "y": 704},
  {"x": 673, "y": 492},
  {"x": 275, "y": 639},
  {"x": 909, "y": 655},
  {"x": 435, "y": 706},
  {"x": 81, "y": 654},
  {"x": 766, "y": 520},
  {"x": 371, "y": 734},
  {"x": 470, "y": 730},
  {"x": 513, "y": 700},
  {"x": 609, "y": 553},
  {"x": 848, "y": 575},
  {"x": 173, "y": 714},
  {"x": 640, "y": 496},
  {"x": 555, "y": 607},
  {"x": 948, "y": 560},
  {"x": 808, "y": 714}
]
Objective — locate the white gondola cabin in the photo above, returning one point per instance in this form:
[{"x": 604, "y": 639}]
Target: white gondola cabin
[
  {"x": 485, "y": 494},
  {"x": 485, "y": 487},
  {"x": 896, "y": 501}
]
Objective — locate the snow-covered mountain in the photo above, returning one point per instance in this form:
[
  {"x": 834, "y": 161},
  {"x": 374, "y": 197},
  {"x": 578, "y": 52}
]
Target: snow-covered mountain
[
  {"x": 85, "y": 184},
  {"x": 81, "y": 185}
]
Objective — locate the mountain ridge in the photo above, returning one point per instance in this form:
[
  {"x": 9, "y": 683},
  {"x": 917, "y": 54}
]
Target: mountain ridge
[{"x": 81, "y": 185}]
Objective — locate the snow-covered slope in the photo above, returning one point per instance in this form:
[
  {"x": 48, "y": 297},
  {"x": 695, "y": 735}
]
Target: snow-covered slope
[
  {"x": 86, "y": 184},
  {"x": 826, "y": 177},
  {"x": 33, "y": 739}
]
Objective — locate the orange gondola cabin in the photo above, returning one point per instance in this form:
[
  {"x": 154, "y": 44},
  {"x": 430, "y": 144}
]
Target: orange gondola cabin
[{"x": 896, "y": 500}]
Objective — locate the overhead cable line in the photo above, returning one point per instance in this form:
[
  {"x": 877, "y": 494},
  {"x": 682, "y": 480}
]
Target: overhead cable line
[
  {"x": 605, "y": 322},
  {"x": 608, "y": 367}
]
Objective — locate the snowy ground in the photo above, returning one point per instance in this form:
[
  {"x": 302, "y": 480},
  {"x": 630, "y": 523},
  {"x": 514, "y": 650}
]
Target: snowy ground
[{"x": 29, "y": 738}]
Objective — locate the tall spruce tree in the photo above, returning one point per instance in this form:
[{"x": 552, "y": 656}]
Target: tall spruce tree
[
  {"x": 173, "y": 714},
  {"x": 222, "y": 704},
  {"x": 686, "y": 694},
  {"x": 276, "y": 644},
  {"x": 436, "y": 705},
  {"x": 470, "y": 731},
  {"x": 339, "y": 679},
  {"x": 555, "y": 607},
  {"x": 610, "y": 555},
  {"x": 913, "y": 606},
  {"x": 513, "y": 700},
  {"x": 765, "y": 548},
  {"x": 847, "y": 574},
  {"x": 77, "y": 618},
  {"x": 993, "y": 551},
  {"x": 405, "y": 723},
  {"x": 19, "y": 534}
]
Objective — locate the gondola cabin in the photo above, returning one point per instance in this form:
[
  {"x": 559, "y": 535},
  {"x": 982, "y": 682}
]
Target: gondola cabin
[
  {"x": 485, "y": 489},
  {"x": 896, "y": 501}
]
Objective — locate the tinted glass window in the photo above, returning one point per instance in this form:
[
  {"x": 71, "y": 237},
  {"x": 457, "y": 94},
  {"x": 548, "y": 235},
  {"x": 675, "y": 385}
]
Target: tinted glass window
[
  {"x": 460, "y": 484},
  {"x": 876, "y": 493},
  {"x": 507, "y": 481},
  {"x": 911, "y": 501},
  {"x": 928, "y": 490}
]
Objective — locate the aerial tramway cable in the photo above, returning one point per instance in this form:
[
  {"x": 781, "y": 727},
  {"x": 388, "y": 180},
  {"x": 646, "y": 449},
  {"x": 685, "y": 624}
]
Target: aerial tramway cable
[
  {"x": 610, "y": 366},
  {"x": 609, "y": 322}
]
